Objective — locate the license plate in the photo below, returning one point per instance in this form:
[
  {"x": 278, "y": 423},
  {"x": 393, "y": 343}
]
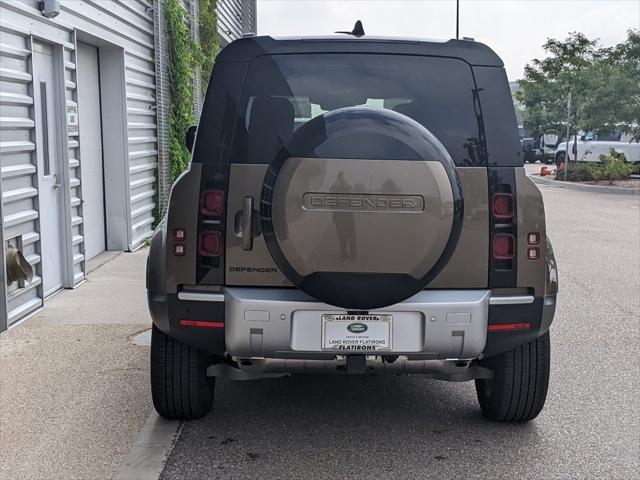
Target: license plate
[{"x": 356, "y": 332}]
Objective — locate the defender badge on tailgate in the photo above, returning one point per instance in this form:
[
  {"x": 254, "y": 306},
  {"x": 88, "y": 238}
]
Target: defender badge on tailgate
[
  {"x": 253, "y": 269},
  {"x": 359, "y": 202}
]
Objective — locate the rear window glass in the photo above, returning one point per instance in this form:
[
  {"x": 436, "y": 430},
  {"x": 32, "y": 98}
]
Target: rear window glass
[{"x": 282, "y": 92}]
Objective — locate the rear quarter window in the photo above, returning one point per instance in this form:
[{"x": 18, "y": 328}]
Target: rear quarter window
[
  {"x": 215, "y": 129},
  {"x": 499, "y": 118},
  {"x": 282, "y": 92}
]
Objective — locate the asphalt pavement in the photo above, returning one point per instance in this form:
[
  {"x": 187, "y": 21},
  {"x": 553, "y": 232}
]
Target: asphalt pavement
[{"x": 408, "y": 427}]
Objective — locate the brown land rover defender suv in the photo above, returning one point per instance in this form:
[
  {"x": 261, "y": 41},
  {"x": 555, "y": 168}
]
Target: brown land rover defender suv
[{"x": 354, "y": 206}]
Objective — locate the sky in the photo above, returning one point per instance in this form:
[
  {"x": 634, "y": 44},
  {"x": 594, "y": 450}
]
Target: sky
[{"x": 515, "y": 29}]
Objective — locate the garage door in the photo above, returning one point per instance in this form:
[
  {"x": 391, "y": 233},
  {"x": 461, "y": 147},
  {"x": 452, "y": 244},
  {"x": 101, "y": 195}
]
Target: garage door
[{"x": 91, "y": 167}]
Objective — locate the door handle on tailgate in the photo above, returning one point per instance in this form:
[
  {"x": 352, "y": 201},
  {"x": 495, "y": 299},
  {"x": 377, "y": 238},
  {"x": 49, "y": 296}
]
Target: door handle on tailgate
[{"x": 247, "y": 222}]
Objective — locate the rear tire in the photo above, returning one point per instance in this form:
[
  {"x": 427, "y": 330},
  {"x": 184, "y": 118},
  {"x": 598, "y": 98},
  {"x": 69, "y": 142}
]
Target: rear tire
[
  {"x": 518, "y": 389},
  {"x": 180, "y": 388}
]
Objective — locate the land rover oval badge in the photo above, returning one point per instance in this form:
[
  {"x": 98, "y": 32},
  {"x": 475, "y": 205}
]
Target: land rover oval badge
[{"x": 357, "y": 327}]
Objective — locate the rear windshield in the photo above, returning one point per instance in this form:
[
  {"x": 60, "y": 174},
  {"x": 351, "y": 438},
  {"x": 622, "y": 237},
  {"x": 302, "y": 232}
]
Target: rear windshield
[{"x": 282, "y": 92}]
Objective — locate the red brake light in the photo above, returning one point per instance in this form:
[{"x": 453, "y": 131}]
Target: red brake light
[
  {"x": 503, "y": 205},
  {"x": 210, "y": 244},
  {"x": 212, "y": 203},
  {"x": 504, "y": 246}
]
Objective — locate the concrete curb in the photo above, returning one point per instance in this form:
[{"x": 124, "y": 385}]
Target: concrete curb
[
  {"x": 585, "y": 188},
  {"x": 146, "y": 458}
]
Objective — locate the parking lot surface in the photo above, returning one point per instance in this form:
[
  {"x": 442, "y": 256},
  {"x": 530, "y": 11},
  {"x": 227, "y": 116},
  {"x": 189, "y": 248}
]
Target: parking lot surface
[{"x": 409, "y": 427}]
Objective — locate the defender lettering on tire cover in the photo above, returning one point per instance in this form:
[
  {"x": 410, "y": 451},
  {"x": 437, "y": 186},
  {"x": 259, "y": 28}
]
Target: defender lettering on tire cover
[
  {"x": 362, "y": 203},
  {"x": 361, "y": 208}
]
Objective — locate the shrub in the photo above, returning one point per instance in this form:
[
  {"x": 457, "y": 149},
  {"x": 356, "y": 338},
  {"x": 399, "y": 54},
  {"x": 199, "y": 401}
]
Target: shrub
[
  {"x": 610, "y": 168},
  {"x": 576, "y": 173},
  {"x": 614, "y": 167}
]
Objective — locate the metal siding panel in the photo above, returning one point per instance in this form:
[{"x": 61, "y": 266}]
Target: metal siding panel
[
  {"x": 141, "y": 152},
  {"x": 3, "y": 272},
  {"x": 74, "y": 155},
  {"x": 229, "y": 19},
  {"x": 143, "y": 24},
  {"x": 18, "y": 182},
  {"x": 248, "y": 16},
  {"x": 88, "y": 18},
  {"x": 235, "y": 17}
]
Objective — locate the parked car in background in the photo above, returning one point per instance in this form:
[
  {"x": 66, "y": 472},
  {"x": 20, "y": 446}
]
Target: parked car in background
[
  {"x": 590, "y": 147},
  {"x": 548, "y": 145},
  {"x": 530, "y": 145}
]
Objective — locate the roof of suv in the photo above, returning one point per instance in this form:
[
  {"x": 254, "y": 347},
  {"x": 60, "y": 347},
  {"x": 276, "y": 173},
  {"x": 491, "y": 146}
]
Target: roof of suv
[{"x": 246, "y": 49}]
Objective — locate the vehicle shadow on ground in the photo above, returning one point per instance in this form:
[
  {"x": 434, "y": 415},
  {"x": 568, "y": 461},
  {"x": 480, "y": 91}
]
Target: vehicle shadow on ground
[{"x": 318, "y": 425}]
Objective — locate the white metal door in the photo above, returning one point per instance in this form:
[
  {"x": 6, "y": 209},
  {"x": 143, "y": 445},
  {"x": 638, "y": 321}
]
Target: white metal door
[
  {"x": 49, "y": 174},
  {"x": 92, "y": 172}
]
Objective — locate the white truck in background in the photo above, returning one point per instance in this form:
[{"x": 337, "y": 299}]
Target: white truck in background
[{"x": 590, "y": 147}]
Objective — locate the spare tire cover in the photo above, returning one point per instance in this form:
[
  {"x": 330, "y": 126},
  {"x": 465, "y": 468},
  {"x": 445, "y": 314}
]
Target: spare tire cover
[{"x": 361, "y": 208}]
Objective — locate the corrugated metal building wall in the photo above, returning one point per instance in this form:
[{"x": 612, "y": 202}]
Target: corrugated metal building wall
[
  {"x": 122, "y": 31},
  {"x": 130, "y": 42},
  {"x": 235, "y": 17}
]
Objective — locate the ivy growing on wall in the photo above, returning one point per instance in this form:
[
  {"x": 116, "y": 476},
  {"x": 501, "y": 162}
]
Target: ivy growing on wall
[
  {"x": 183, "y": 59},
  {"x": 185, "y": 56},
  {"x": 208, "y": 29}
]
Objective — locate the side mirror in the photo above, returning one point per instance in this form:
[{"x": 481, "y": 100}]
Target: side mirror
[{"x": 190, "y": 137}]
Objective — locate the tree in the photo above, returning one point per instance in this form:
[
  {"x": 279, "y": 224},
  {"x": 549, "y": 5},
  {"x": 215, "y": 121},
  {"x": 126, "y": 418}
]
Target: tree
[{"x": 604, "y": 83}]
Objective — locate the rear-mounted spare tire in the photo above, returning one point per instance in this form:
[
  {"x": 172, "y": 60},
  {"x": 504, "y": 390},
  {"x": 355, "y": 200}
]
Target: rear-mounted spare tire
[{"x": 361, "y": 208}]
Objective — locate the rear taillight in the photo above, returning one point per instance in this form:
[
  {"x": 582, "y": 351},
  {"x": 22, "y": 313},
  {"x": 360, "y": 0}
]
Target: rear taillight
[
  {"x": 503, "y": 205},
  {"x": 212, "y": 203},
  {"x": 210, "y": 244},
  {"x": 503, "y": 227},
  {"x": 504, "y": 246},
  {"x": 210, "y": 238}
]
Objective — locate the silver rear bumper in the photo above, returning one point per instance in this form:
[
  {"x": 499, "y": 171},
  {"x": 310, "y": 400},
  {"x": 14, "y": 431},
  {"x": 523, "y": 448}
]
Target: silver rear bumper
[{"x": 278, "y": 323}]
